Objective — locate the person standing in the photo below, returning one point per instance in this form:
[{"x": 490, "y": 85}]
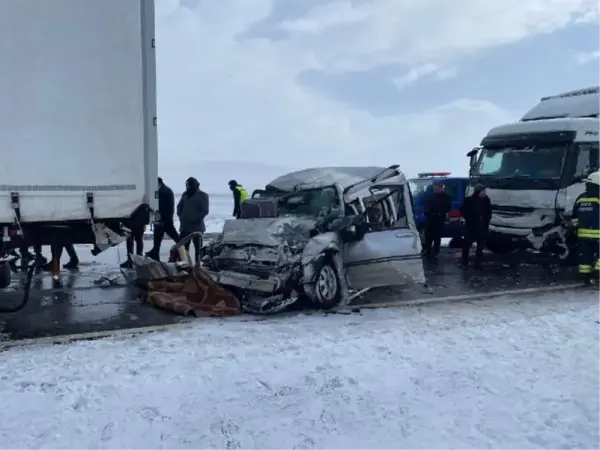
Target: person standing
[
  {"x": 437, "y": 207},
  {"x": 586, "y": 218},
  {"x": 136, "y": 237},
  {"x": 137, "y": 223},
  {"x": 164, "y": 224},
  {"x": 192, "y": 209},
  {"x": 57, "y": 251},
  {"x": 476, "y": 214},
  {"x": 239, "y": 195}
]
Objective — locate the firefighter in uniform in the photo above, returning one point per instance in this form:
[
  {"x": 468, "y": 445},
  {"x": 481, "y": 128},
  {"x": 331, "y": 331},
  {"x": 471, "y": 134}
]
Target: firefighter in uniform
[
  {"x": 239, "y": 195},
  {"x": 586, "y": 219}
]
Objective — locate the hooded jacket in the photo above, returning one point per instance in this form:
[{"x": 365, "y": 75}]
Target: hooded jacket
[{"x": 192, "y": 208}]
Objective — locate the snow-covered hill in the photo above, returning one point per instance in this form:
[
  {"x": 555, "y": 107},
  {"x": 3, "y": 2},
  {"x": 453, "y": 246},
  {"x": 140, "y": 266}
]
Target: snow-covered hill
[{"x": 214, "y": 175}]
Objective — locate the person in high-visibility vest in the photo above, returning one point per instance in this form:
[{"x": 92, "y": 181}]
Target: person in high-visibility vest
[
  {"x": 586, "y": 218},
  {"x": 239, "y": 195}
]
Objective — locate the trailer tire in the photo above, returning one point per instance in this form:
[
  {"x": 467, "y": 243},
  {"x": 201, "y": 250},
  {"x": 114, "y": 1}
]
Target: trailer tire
[
  {"x": 499, "y": 248},
  {"x": 5, "y": 275},
  {"x": 456, "y": 242}
]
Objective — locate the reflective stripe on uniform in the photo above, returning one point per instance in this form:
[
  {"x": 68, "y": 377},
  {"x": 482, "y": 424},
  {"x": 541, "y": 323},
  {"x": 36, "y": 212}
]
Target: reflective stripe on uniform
[
  {"x": 597, "y": 265},
  {"x": 243, "y": 192},
  {"x": 586, "y": 233},
  {"x": 588, "y": 200},
  {"x": 585, "y": 268}
]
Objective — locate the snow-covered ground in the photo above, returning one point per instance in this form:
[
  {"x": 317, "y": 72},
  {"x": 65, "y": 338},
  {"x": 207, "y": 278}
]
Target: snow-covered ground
[{"x": 507, "y": 373}]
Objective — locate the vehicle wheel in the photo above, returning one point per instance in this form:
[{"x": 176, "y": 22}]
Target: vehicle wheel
[
  {"x": 5, "y": 275},
  {"x": 570, "y": 258},
  {"x": 328, "y": 292},
  {"x": 455, "y": 242},
  {"x": 499, "y": 248}
]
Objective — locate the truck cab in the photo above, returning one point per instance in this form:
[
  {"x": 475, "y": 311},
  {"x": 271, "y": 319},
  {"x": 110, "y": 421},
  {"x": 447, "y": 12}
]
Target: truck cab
[
  {"x": 456, "y": 187},
  {"x": 535, "y": 169}
]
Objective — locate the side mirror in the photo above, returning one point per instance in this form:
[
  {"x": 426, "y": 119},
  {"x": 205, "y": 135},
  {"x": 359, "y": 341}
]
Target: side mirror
[{"x": 473, "y": 157}]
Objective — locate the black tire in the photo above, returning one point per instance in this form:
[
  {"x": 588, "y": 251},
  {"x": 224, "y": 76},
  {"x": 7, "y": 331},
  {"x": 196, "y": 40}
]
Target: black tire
[
  {"x": 327, "y": 286},
  {"x": 5, "y": 275},
  {"x": 500, "y": 248},
  {"x": 572, "y": 258},
  {"x": 456, "y": 242}
]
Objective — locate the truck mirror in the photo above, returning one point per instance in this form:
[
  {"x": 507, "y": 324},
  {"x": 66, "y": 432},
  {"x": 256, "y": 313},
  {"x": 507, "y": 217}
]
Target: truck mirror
[{"x": 473, "y": 157}]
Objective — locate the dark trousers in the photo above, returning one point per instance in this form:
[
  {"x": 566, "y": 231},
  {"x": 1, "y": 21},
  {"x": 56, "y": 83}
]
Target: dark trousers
[
  {"x": 36, "y": 248},
  {"x": 160, "y": 229},
  {"x": 473, "y": 236},
  {"x": 588, "y": 256},
  {"x": 137, "y": 237},
  {"x": 197, "y": 240},
  {"x": 57, "y": 250},
  {"x": 433, "y": 236}
]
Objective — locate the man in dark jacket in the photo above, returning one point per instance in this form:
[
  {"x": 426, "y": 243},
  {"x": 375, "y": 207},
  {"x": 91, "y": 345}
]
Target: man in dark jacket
[
  {"x": 164, "y": 223},
  {"x": 239, "y": 195},
  {"x": 191, "y": 210},
  {"x": 476, "y": 213},
  {"x": 437, "y": 206}
]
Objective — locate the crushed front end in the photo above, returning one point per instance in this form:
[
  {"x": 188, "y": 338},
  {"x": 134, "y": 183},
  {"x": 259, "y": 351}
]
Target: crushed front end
[{"x": 260, "y": 260}]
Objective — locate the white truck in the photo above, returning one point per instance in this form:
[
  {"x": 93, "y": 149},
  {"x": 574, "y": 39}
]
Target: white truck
[
  {"x": 77, "y": 122},
  {"x": 535, "y": 169}
]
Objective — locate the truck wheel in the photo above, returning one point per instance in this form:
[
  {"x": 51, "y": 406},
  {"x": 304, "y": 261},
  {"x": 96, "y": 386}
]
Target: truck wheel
[
  {"x": 455, "y": 242},
  {"x": 499, "y": 248},
  {"x": 5, "y": 275},
  {"x": 570, "y": 259},
  {"x": 328, "y": 292}
]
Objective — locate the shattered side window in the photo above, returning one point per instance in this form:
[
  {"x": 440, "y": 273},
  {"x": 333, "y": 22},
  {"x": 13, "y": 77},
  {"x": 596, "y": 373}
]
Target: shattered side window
[
  {"x": 379, "y": 215},
  {"x": 400, "y": 219}
]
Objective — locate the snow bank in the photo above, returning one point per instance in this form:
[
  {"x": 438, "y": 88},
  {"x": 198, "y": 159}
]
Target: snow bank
[{"x": 511, "y": 373}]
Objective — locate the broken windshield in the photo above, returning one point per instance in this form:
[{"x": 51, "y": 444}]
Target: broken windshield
[
  {"x": 534, "y": 162},
  {"x": 310, "y": 202}
]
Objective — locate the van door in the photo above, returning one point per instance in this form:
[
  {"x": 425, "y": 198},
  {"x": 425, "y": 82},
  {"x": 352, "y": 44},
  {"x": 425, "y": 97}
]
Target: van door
[{"x": 390, "y": 252}]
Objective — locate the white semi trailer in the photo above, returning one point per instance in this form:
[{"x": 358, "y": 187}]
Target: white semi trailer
[
  {"x": 78, "y": 133},
  {"x": 535, "y": 169}
]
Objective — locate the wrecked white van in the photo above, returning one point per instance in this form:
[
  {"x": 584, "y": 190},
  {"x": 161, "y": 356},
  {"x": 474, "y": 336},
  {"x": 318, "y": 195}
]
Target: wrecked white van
[{"x": 322, "y": 234}]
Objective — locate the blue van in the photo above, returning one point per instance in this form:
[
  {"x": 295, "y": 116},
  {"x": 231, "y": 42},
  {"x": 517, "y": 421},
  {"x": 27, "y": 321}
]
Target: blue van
[{"x": 422, "y": 186}]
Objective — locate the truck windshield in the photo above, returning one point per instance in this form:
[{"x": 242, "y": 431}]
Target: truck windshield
[{"x": 536, "y": 162}]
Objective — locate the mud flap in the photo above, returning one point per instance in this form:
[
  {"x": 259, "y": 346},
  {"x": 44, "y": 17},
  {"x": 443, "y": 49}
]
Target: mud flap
[{"x": 106, "y": 237}]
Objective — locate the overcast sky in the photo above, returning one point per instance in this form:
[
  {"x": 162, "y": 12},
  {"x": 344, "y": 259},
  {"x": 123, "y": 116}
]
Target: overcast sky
[{"x": 297, "y": 83}]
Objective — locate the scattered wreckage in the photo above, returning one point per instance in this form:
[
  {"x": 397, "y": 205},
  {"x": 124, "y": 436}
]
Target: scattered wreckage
[{"x": 322, "y": 236}]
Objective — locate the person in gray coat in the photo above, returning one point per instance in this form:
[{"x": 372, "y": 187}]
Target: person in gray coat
[{"x": 191, "y": 210}]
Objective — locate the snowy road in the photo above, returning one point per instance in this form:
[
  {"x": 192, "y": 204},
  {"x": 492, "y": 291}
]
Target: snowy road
[
  {"x": 83, "y": 307},
  {"x": 507, "y": 373}
]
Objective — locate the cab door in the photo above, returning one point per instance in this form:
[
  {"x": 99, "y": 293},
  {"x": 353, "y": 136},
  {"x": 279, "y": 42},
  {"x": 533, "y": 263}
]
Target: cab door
[{"x": 389, "y": 254}]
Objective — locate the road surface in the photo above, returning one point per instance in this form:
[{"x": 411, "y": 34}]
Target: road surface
[
  {"x": 98, "y": 298},
  {"x": 516, "y": 372}
]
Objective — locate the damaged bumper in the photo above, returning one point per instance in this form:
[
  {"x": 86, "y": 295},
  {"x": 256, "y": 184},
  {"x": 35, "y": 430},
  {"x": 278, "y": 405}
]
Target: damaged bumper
[{"x": 248, "y": 282}]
